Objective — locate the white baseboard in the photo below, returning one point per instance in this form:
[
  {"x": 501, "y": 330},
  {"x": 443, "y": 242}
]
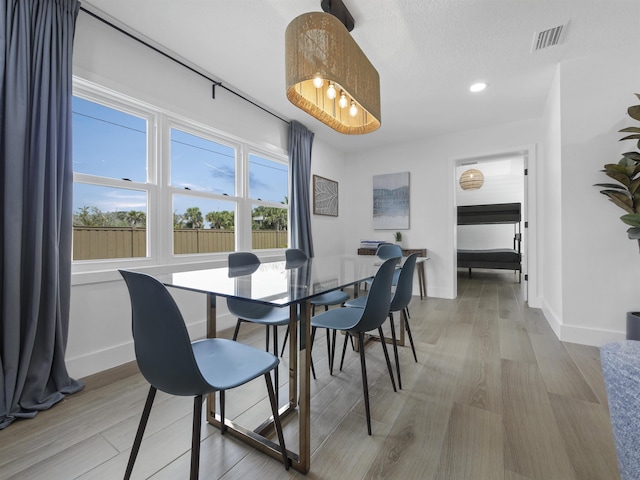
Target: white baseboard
[{"x": 578, "y": 334}]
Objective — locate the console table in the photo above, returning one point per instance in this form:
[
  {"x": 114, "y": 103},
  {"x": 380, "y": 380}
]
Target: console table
[{"x": 422, "y": 252}]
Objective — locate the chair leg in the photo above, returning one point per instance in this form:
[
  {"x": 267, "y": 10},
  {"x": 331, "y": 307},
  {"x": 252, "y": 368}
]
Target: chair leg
[
  {"x": 413, "y": 348},
  {"x": 195, "y": 437},
  {"x": 141, "y": 427},
  {"x": 313, "y": 336},
  {"x": 386, "y": 357},
  {"x": 276, "y": 370},
  {"x": 223, "y": 427},
  {"x": 329, "y": 359},
  {"x": 284, "y": 343},
  {"x": 333, "y": 350},
  {"x": 344, "y": 348},
  {"x": 276, "y": 420},
  {"x": 395, "y": 349},
  {"x": 266, "y": 348},
  {"x": 365, "y": 385},
  {"x": 237, "y": 330}
]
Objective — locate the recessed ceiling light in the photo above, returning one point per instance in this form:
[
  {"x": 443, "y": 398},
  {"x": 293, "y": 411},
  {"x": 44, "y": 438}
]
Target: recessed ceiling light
[{"x": 478, "y": 87}]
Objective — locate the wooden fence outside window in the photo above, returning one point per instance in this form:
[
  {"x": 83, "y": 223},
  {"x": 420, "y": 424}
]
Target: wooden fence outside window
[{"x": 94, "y": 243}]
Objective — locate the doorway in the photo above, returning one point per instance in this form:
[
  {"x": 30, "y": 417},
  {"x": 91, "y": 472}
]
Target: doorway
[{"x": 493, "y": 180}]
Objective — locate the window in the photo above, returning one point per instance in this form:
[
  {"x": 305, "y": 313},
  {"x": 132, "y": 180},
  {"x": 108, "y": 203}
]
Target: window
[
  {"x": 203, "y": 221},
  {"x": 110, "y": 192},
  {"x": 269, "y": 195},
  {"x": 151, "y": 187}
]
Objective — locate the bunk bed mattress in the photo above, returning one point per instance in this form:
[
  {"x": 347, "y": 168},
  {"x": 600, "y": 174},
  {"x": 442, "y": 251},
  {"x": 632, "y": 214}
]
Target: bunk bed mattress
[{"x": 495, "y": 256}]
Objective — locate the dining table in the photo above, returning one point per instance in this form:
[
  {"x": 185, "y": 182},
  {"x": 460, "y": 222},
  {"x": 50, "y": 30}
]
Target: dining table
[{"x": 285, "y": 285}]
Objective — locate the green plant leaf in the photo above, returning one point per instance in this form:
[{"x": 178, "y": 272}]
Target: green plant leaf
[
  {"x": 632, "y": 219},
  {"x": 610, "y": 185},
  {"x": 631, "y": 130},
  {"x": 623, "y": 178},
  {"x": 633, "y": 187},
  {"x": 621, "y": 199},
  {"x": 631, "y": 137},
  {"x": 634, "y": 112},
  {"x": 633, "y": 156},
  {"x": 633, "y": 233},
  {"x": 621, "y": 166}
]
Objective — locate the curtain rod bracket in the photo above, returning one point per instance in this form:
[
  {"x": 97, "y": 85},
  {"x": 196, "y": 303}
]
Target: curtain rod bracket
[{"x": 213, "y": 89}]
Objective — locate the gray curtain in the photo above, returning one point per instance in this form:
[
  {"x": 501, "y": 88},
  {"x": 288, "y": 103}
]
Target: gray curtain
[
  {"x": 36, "y": 181},
  {"x": 300, "y": 143}
]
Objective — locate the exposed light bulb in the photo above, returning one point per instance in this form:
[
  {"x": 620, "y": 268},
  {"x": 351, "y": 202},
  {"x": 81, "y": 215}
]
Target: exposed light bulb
[
  {"x": 343, "y": 102},
  {"x": 353, "y": 110},
  {"x": 478, "y": 87},
  {"x": 331, "y": 91},
  {"x": 318, "y": 81}
]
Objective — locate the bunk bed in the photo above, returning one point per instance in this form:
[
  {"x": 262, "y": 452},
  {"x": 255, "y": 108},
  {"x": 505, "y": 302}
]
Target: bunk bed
[{"x": 504, "y": 258}]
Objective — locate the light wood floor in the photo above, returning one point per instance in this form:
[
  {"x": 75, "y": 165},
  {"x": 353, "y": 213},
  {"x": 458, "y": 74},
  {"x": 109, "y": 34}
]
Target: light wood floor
[{"x": 494, "y": 395}]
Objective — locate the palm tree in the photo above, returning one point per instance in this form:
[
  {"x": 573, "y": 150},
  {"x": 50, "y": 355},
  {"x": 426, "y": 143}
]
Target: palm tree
[
  {"x": 221, "y": 220},
  {"x": 136, "y": 218},
  {"x": 193, "y": 218}
]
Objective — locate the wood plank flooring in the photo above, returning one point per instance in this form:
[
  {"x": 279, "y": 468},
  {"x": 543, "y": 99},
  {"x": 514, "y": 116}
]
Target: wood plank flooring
[{"x": 494, "y": 396}]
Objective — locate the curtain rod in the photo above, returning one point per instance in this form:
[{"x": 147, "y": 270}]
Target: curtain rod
[{"x": 157, "y": 50}]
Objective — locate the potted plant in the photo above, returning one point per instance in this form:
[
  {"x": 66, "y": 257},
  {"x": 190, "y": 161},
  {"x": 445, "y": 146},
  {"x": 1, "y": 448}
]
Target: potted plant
[
  {"x": 626, "y": 195},
  {"x": 398, "y": 237}
]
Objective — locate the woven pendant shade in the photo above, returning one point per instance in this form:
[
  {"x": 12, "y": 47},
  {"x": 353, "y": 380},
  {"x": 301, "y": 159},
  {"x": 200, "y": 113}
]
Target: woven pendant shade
[
  {"x": 317, "y": 44},
  {"x": 471, "y": 179}
]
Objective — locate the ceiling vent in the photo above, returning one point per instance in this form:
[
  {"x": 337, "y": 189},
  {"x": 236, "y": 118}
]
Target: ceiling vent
[{"x": 548, "y": 38}]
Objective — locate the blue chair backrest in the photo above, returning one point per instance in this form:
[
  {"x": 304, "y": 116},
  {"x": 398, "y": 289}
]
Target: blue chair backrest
[
  {"x": 295, "y": 258},
  {"x": 295, "y": 255},
  {"x": 163, "y": 348},
  {"x": 389, "y": 250},
  {"x": 404, "y": 287},
  {"x": 376, "y": 309},
  {"x": 244, "y": 263},
  {"x": 243, "y": 259}
]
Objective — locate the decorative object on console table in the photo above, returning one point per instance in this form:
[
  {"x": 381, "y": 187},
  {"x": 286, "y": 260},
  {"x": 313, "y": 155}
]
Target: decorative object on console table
[
  {"x": 397, "y": 236},
  {"x": 422, "y": 252}
]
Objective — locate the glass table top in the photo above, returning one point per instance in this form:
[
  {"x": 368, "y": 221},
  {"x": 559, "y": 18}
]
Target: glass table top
[{"x": 278, "y": 283}]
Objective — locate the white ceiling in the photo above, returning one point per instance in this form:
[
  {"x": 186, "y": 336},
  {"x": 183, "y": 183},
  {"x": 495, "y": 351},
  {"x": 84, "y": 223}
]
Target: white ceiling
[{"x": 427, "y": 52}]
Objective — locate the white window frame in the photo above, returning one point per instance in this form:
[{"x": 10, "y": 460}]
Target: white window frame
[
  {"x": 160, "y": 256},
  {"x": 95, "y": 94}
]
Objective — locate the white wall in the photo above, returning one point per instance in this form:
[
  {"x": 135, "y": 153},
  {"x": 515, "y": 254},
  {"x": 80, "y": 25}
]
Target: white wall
[
  {"x": 100, "y": 325},
  {"x": 549, "y": 197},
  {"x": 431, "y": 163},
  {"x": 600, "y": 266}
]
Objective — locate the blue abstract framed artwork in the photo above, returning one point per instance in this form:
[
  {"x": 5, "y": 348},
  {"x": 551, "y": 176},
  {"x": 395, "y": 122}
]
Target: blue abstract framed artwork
[{"x": 391, "y": 201}]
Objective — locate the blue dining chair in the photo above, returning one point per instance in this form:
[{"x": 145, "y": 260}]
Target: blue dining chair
[
  {"x": 384, "y": 252},
  {"x": 400, "y": 299},
  {"x": 358, "y": 321},
  {"x": 171, "y": 363},
  {"x": 296, "y": 257},
  {"x": 242, "y": 263}
]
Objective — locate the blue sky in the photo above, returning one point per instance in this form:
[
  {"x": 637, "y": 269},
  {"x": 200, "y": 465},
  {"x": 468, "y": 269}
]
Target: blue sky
[{"x": 112, "y": 144}]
